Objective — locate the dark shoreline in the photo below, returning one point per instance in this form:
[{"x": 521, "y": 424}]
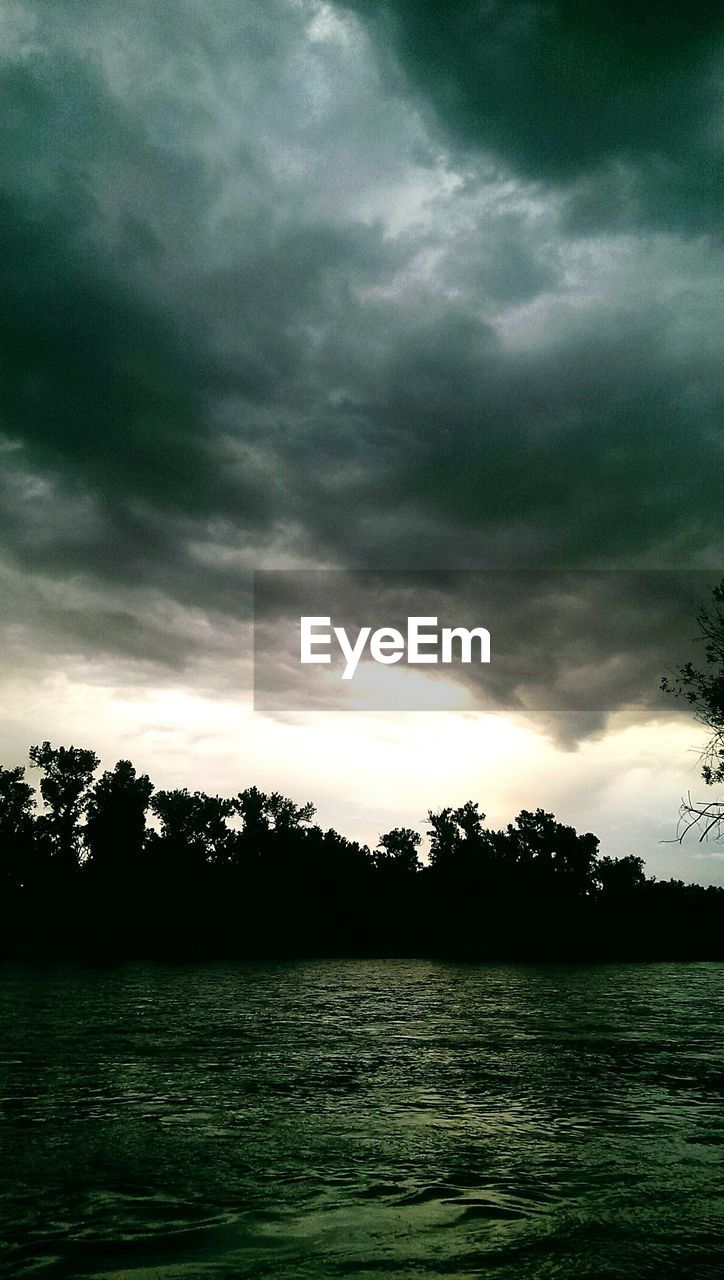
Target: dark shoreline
[
  {"x": 252, "y": 877},
  {"x": 166, "y": 952}
]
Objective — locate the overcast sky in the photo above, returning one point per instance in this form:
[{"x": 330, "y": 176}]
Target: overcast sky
[{"x": 384, "y": 285}]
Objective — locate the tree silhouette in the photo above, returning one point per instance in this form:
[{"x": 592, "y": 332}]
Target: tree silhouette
[
  {"x": 703, "y": 688},
  {"x": 285, "y": 814},
  {"x": 17, "y": 802},
  {"x": 255, "y": 875},
  {"x": 194, "y": 832},
  {"x": 548, "y": 851},
  {"x": 618, "y": 878},
  {"x": 115, "y": 828},
  {"x": 457, "y": 837},
  {"x": 68, "y": 773},
  {"x": 397, "y": 852}
]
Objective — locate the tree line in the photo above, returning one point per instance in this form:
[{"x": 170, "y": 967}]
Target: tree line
[{"x": 110, "y": 864}]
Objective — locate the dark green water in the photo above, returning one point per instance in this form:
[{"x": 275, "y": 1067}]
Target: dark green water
[{"x": 362, "y": 1119}]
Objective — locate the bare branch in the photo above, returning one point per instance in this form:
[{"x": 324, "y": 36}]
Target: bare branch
[{"x": 707, "y": 815}]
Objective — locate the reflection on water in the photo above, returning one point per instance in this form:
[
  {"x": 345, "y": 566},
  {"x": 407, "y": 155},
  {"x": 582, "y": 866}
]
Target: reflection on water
[{"x": 361, "y": 1119}]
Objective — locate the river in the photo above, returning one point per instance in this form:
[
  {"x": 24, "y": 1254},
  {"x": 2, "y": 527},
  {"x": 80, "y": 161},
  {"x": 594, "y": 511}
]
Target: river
[{"x": 360, "y": 1118}]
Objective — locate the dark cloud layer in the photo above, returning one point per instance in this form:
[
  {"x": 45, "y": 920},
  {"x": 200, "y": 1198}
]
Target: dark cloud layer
[
  {"x": 621, "y": 99},
  {"x": 267, "y": 301}
]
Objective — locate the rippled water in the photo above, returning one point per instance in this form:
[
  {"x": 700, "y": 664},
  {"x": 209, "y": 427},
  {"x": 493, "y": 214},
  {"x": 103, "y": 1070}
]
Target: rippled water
[{"x": 361, "y": 1119}]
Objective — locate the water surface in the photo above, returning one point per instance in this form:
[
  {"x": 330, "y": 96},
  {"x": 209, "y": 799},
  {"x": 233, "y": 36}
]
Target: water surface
[{"x": 361, "y": 1119}]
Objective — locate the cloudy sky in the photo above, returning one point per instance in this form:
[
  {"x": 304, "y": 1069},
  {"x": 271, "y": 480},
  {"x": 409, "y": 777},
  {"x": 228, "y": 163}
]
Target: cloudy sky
[{"x": 379, "y": 285}]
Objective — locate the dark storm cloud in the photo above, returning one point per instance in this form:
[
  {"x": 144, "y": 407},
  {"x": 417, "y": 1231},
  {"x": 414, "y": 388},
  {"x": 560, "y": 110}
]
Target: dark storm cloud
[
  {"x": 92, "y": 382},
  {"x": 599, "y": 445},
  {"x": 618, "y": 101},
  {"x": 253, "y": 315}
]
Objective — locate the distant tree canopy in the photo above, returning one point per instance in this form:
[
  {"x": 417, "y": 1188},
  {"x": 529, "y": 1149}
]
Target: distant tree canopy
[
  {"x": 703, "y": 688},
  {"x": 397, "y": 851},
  {"x": 537, "y": 848},
  {"x": 115, "y": 827},
  {"x": 67, "y": 774},
  {"x": 17, "y": 827},
  {"x": 109, "y": 859}
]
